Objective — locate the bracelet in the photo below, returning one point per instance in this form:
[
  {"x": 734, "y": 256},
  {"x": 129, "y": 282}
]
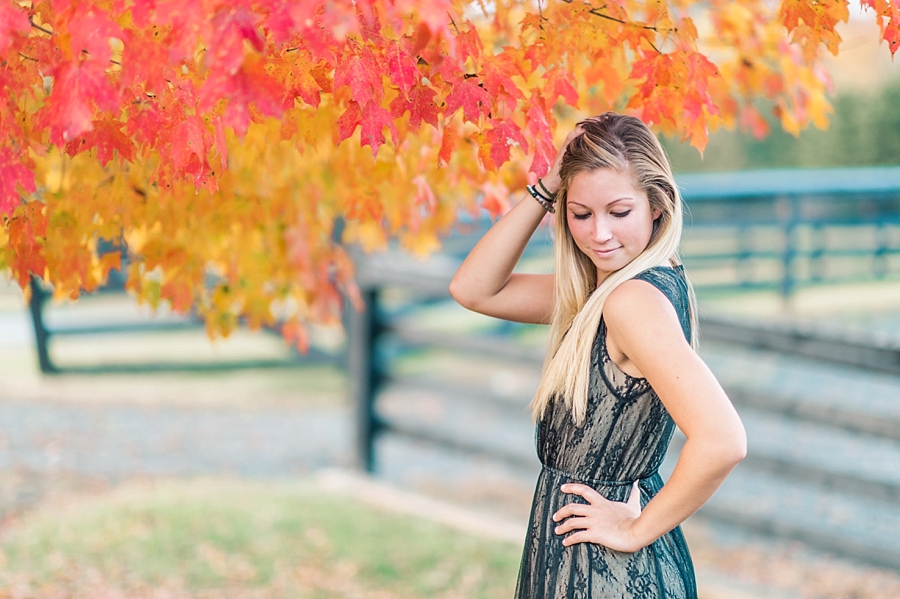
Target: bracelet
[
  {"x": 546, "y": 203},
  {"x": 551, "y": 194}
]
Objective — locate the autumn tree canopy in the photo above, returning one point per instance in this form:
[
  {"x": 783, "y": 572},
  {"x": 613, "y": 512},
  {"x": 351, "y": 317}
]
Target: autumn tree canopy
[{"x": 221, "y": 141}]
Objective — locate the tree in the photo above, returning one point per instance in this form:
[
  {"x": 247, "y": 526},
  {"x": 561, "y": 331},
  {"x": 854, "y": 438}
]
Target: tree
[{"x": 221, "y": 142}]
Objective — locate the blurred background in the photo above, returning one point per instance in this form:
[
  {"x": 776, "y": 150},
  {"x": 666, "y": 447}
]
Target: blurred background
[{"x": 396, "y": 459}]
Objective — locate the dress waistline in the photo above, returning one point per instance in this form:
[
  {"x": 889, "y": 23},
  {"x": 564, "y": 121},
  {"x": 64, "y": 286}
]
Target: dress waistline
[{"x": 596, "y": 481}]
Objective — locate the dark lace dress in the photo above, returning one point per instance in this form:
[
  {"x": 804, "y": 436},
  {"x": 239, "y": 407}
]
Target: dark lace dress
[{"x": 623, "y": 439}]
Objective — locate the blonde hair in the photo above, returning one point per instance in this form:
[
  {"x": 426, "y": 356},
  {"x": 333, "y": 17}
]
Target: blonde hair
[{"x": 625, "y": 145}]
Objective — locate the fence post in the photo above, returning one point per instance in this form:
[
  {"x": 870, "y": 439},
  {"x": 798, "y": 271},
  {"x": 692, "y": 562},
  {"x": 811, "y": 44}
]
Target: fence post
[
  {"x": 41, "y": 335},
  {"x": 790, "y": 209},
  {"x": 362, "y": 330}
]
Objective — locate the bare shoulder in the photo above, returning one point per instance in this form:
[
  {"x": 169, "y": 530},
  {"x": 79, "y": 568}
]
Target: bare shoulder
[{"x": 637, "y": 307}]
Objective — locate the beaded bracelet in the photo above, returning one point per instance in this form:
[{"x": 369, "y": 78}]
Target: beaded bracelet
[
  {"x": 546, "y": 203},
  {"x": 551, "y": 195}
]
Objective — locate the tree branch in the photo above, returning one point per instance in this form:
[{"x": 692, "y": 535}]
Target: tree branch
[
  {"x": 597, "y": 12},
  {"x": 38, "y": 27}
]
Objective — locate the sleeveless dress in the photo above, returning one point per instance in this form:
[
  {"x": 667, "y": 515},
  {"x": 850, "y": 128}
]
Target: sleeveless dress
[{"x": 623, "y": 439}]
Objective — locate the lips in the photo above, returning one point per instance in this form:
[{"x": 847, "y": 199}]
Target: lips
[{"x": 607, "y": 252}]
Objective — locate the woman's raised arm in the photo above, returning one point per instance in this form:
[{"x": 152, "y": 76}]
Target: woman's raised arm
[{"x": 485, "y": 281}]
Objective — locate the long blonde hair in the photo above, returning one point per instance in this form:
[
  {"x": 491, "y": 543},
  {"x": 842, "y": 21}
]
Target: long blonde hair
[{"x": 625, "y": 145}]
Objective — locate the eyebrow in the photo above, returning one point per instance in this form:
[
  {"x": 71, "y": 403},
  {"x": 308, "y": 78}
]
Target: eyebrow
[{"x": 610, "y": 204}]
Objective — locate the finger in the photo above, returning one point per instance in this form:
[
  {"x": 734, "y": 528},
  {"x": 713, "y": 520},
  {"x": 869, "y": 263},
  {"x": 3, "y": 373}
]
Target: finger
[
  {"x": 585, "y": 491},
  {"x": 572, "y": 524},
  {"x": 572, "y": 509},
  {"x": 577, "y": 537},
  {"x": 634, "y": 500}
]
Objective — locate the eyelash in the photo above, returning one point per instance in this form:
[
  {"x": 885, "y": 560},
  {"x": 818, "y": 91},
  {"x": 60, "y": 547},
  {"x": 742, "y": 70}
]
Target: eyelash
[{"x": 586, "y": 215}]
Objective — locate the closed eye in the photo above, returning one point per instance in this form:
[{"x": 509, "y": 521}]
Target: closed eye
[
  {"x": 621, "y": 214},
  {"x": 583, "y": 216}
]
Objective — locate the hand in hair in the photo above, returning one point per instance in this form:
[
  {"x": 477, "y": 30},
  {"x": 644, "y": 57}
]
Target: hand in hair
[{"x": 600, "y": 521}]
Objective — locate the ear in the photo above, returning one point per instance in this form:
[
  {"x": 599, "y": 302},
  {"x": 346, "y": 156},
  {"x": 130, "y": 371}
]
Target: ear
[{"x": 657, "y": 213}]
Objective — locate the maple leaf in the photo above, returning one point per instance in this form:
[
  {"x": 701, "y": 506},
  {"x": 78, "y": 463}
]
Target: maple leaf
[
  {"x": 420, "y": 105},
  {"x": 402, "y": 68},
  {"x": 146, "y": 122},
  {"x": 77, "y": 88},
  {"x": 468, "y": 44},
  {"x": 12, "y": 20},
  {"x": 140, "y": 12},
  {"x": 106, "y": 136},
  {"x": 249, "y": 84},
  {"x": 542, "y": 139},
  {"x": 349, "y": 121},
  {"x": 297, "y": 70},
  {"x": 751, "y": 120},
  {"x": 374, "y": 120},
  {"x": 184, "y": 146},
  {"x": 90, "y": 29},
  {"x": 144, "y": 62},
  {"x": 892, "y": 30},
  {"x": 502, "y": 135},
  {"x": 449, "y": 140},
  {"x": 231, "y": 26},
  {"x": 361, "y": 73},
  {"x": 471, "y": 97},
  {"x": 186, "y": 23},
  {"x": 498, "y": 81},
  {"x": 495, "y": 199},
  {"x": 14, "y": 173},
  {"x": 557, "y": 85}
]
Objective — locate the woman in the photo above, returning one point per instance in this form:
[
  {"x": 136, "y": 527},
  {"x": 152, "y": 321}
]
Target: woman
[{"x": 621, "y": 370}]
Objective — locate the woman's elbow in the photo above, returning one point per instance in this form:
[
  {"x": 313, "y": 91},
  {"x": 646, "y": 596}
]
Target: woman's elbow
[
  {"x": 459, "y": 291},
  {"x": 734, "y": 449}
]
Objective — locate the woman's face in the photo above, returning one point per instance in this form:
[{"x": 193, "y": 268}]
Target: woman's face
[{"x": 610, "y": 219}]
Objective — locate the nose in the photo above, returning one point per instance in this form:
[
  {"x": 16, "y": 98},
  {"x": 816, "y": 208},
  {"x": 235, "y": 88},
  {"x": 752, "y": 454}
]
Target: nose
[{"x": 602, "y": 231}]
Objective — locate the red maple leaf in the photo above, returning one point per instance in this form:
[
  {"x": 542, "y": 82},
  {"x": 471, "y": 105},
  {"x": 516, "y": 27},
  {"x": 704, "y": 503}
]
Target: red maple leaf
[
  {"x": 448, "y": 144},
  {"x": 421, "y": 106},
  {"x": 502, "y": 135},
  {"x": 78, "y": 87},
  {"x": 542, "y": 138},
  {"x": 140, "y": 12},
  {"x": 187, "y": 23},
  {"x": 374, "y": 120},
  {"x": 498, "y": 81},
  {"x": 90, "y": 30},
  {"x": 435, "y": 15},
  {"x": 12, "y": 20},
  {"x": 27, "y": 232},
  {"x": 183, "y": 147},
  {"x": 231, "y": 26},
  {"x": 249, "y": 84},
  {"x": 558, "y": 85},
  {"x": 146, "y": 122},
  {"x": 145, "y": 62},
  {"x": 468, "y": 44},
  {"x": 297, "y": 70},
  {"x": 361, "y": 73},
  {"x": 348, "y": 121},
  {"x": 14, "y": 173},
  {"x": 107, "y": 136},
  {"x": 471, "y": 97},
  {"x": 892, "y": 29},
  {"x": 402, "y": 67}
]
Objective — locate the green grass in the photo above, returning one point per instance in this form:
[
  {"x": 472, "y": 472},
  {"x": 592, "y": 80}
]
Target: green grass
[{"x": 235, "y": 539}]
